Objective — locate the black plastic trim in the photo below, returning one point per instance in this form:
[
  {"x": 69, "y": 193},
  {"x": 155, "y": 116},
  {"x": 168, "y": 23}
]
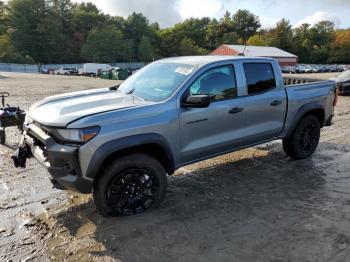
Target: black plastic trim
[
  {"x": 111, "y": 147},
  {"x": 300, "y": 113}
]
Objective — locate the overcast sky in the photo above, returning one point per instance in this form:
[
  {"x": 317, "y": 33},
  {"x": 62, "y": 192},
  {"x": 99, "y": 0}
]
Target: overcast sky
[{"x": 168, "y": 12}]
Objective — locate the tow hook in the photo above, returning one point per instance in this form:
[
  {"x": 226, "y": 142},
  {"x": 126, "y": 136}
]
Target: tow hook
[{"x": 21, "y": 154}]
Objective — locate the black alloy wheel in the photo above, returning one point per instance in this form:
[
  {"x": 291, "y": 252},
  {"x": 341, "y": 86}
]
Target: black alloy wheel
[
  {"x": 303, "y": 142},
  {"x": 129, "y": 185},
  {"x": 132, "y": 191},
  {"x": 308, "y": 139}
]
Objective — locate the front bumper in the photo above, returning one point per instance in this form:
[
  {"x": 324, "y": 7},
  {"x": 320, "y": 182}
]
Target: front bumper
[{"x": 60, "y": 160}]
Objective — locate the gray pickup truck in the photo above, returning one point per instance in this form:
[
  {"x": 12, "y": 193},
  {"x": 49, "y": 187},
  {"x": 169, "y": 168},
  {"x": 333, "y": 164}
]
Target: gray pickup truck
[{"x": 120, "y": 143}]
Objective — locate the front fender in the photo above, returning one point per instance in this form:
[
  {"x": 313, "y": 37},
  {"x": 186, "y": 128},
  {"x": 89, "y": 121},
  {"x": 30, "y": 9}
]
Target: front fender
[{"x": 111, "y": 147}]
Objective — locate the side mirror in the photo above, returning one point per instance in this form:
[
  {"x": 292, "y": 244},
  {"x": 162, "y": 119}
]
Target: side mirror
[{"x": 197, "y": 101}]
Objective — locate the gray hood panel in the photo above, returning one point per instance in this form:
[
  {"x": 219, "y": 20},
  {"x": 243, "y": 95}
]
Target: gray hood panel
[{"x": 63, "y": 109}]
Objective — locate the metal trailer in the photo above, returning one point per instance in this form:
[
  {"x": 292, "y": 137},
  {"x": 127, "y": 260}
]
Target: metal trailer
[{"x": 10, "y": 116}]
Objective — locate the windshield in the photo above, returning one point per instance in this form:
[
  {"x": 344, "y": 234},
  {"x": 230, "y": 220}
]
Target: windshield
[
  {"x": 345, "y": 76},
  {"x": 157, "y": 81}
]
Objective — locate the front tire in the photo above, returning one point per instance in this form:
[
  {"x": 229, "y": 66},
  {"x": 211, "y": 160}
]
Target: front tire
[
  {"x": 130, "y": 185},
  {"x": 304, "y": 140}
]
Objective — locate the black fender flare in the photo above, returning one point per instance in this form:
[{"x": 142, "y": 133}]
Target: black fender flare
[
  {"x": 300, "y": 113},
  {"x": 112, "y": 147}
]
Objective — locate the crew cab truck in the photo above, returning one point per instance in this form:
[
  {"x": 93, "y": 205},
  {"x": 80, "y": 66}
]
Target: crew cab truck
[{"x": 120, "y": 143}]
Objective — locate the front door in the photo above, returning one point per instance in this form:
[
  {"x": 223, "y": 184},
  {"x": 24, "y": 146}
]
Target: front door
[{"x": 218, "y": 128}]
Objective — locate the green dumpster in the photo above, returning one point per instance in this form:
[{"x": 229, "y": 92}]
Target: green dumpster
[
  {"x": 106, "y": 74},
  {"x": 120, "y": 74},
  {"x": 114, "y": 75}
]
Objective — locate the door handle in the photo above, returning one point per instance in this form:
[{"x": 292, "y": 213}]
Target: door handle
[
  {"x": 276, "y": 103},
  {"x": 236, "y": 110}
]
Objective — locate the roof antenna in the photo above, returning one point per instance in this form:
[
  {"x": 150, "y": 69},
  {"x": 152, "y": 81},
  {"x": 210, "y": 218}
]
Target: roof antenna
[{"x": 245, "y": 45}]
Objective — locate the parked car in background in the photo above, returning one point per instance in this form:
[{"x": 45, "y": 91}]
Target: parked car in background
[
  {"x": 93, "y": 69},
  {"x": 324, "y": 69},
  {"x": 344, "y": 68},
  {"x": 67, "y": 71},
  {"x": 45, "y": 70},
  {"x": 121, "y": 143},
  {"x": 317, "y": 68},
  {"x": 343, "y": 82},
  {"x": 308, "y": 69},
  {"x": 288, "y": 70},
  {"x": 299, "y": 69},
  {"x": 74, "y": 72}
]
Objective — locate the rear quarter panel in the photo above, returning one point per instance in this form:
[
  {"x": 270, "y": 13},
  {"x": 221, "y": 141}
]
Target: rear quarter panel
[{"x": 306, "y": 97}]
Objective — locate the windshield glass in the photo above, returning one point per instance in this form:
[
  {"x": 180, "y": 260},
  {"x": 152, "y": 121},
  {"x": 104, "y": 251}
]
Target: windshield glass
[
  {"x": 157, "y": 81},
  {"x": 345, "y": 76}
]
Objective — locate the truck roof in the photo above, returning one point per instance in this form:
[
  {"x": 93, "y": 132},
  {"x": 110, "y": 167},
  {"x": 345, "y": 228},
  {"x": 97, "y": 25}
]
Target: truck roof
[{"x": 203, "y": 60}]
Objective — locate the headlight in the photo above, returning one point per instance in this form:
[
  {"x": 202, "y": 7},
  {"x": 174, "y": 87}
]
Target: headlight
[{"x": 79, "y": 135}]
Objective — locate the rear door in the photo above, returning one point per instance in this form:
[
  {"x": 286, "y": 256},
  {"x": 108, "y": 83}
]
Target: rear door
[
  {"x": 267, "y": 104},
  {"x": 218, "y": 128}
]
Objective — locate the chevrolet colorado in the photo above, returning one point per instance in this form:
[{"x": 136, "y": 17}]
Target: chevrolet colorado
[{"x": 120, "y": 143}]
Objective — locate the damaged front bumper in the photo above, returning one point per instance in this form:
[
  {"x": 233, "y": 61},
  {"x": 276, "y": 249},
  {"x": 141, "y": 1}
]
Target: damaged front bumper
[{"x": 60, "y": 160}]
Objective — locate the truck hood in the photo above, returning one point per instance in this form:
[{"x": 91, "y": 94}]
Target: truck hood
[{"x": 63, "y": 109}]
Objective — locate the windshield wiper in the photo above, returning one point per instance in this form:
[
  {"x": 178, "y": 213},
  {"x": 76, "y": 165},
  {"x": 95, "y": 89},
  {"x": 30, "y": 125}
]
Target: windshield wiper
[{"x": 131, "y": 91}]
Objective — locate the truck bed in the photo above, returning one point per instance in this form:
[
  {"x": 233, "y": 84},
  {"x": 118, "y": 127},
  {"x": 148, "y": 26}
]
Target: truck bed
[{"x": 293, "y": 79}]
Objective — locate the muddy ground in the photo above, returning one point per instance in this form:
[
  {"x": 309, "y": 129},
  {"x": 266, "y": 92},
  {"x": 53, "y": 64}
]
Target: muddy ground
[{"x": 252, "y": 205}]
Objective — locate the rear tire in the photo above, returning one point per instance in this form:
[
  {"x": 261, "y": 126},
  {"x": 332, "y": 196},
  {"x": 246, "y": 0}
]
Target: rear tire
[
  {"x": 304, "y": 140},
  {"x": 130, "y": 185}
]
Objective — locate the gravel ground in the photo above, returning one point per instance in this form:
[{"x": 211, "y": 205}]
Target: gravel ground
[{"x": 251, "y": 205}]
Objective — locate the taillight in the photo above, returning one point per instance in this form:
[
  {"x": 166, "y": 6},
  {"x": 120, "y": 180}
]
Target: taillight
[{"x": 336, "y": 92}]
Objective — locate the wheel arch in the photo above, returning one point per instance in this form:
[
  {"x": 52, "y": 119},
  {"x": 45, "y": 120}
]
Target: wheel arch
[
  {"x": 315, "y": 109},
  {"x": 151, "y": 144}
]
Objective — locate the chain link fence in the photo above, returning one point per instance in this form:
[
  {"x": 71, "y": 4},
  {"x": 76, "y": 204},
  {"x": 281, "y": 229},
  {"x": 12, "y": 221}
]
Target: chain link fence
[{"x": 20, "y": 68}]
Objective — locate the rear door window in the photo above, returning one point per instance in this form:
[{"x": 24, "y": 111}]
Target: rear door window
[{"x": 260, "y": 77}]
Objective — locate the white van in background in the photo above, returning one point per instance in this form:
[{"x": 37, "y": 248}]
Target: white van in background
[{"x": 92, "y": 69}]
